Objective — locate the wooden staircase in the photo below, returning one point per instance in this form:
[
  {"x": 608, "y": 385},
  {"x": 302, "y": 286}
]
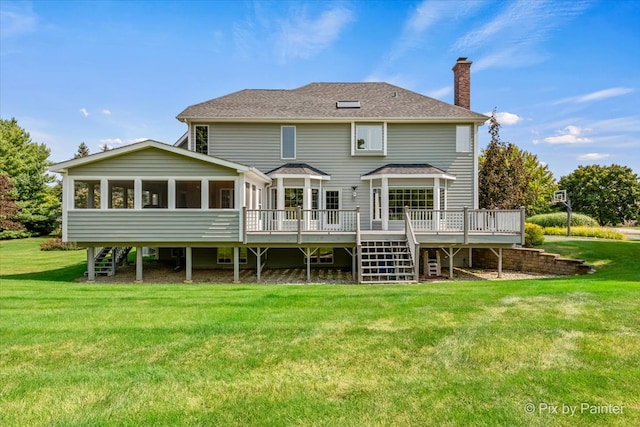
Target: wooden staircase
[
  {"x": 386, "y": 261},
  {"x": 107, "y": 258}
]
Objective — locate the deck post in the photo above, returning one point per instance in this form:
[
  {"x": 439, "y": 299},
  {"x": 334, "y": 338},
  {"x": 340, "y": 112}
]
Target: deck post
[
  {"x": 138, "y": 264},
  {"x": 236, "y": 264},
  {"x": 91, "y": 264},
  {"x": 299, "y": 217},
  {"x": 470, "y": 257},
  {"x": 307, "y": 253},
  {"x": 451, "y": 254},
  {"x": 188, "y": 264},
  {"x": 465, "y": 221},
  {"x": 354, "y": 263},
  {"x": 258, "y": 264},
  {"x": 523, "y": 216},
  {"x": 499, "y": 263},
  {"x": 244, "y": 225}
]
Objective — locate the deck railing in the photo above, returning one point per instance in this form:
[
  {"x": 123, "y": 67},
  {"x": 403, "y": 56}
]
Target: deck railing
[
  {"x": 300, "y": 220},
  {"x": 467, "y": 221}
]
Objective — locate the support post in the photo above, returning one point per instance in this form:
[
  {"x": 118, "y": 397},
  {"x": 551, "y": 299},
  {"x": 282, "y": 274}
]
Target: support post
[
  {"x": 91, "y": 264},
  {"x": 354, "y": 263},
  {"x": 471, "y": 256},
  {"x": 188, "y": 264},
  {"x": 523, "y": 216},
  {"x": 451, "y": 254},
  {"x": 138, "y": 264},
  {"x": 236, "y": 264},
  {"x": 308, "y": 255},
  {"x": 465, "y": 222},
  {"x": 299, "y": 217},
  {"x": 499, "y": 263},
  {"x": 258, "y": 265}
]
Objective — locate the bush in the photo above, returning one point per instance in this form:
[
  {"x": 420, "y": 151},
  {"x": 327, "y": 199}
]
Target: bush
[
  {"x": 559, "y": 219},
  {"x": 599, "y": 232},
  {"x": 533, "y": 235},
  {"x": 14, "y": 234},
  {"x": 58, "y": 245}
]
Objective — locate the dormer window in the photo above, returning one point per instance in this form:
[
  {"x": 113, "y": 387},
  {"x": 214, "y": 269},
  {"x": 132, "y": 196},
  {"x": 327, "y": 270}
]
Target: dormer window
[{"x": 369, "y": 139}]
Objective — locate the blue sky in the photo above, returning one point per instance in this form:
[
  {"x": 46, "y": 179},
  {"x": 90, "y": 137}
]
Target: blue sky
[{"x": 564, "y": 76}]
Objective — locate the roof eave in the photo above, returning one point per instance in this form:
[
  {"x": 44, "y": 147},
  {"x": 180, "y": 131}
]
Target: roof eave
[{"x": 472, "y": 119}]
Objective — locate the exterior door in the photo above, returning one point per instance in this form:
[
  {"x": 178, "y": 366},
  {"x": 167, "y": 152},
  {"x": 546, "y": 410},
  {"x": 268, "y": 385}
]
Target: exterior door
[{"x": 332, "y": 214}]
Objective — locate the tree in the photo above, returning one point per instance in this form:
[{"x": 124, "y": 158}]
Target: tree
[
  {"x": 501, "y": 179},
  {"x": 25, "y": 163},
  {"x": 83, "y": 151},
  {"x": 610, "y": 194},
  {"x": 510, "y": 177},
  {"x": 105, "y": 147},
  {"x": 9, "y": 210}
]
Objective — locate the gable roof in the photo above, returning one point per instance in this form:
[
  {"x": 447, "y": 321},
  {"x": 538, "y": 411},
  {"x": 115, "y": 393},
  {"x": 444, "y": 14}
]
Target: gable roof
[
  {"x": 296, "y": 169},
  {"x": 318, "y": 101},
  {"x": 412, "y": 170},
  {"x": 62, "y": 167}
]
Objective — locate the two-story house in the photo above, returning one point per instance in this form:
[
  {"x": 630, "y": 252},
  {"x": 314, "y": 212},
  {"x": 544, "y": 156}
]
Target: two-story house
[{"x": 367, "y": 176}]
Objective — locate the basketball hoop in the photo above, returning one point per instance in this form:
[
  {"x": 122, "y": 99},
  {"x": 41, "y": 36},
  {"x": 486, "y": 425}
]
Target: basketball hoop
[{"x": 560, "y": 196}]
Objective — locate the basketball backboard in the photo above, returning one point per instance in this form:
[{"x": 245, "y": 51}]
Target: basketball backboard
[{"x": 560, "y": 196}]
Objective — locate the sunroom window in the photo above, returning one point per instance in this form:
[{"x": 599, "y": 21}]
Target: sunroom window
[
  {"x": 188, "y": 195},
  {"x": 121, "y": 194},
  {"x": 221, "y": 195},
  {"x": 86, "y": 194},
  {"x": 155, "y": 194}
]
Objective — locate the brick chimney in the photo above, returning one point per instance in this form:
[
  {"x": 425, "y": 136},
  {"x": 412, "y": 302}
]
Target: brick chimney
[{"x": 462, "y": 83}]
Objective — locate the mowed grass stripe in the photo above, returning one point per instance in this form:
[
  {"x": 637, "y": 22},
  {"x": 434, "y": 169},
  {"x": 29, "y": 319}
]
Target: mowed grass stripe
[{"x": 470, "y": 353}]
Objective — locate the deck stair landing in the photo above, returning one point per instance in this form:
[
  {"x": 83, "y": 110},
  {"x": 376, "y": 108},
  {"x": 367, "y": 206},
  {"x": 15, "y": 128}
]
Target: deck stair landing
[{"x": 386, "y": 261}]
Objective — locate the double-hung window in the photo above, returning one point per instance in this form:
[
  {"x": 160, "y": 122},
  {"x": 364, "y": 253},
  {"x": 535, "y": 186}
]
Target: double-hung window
[
  {"x": 369, "y": 139},
  {"x": 288, "y": 142}
]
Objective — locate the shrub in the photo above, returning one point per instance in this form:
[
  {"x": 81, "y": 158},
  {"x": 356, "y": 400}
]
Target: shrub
[
  {"x": 14, "y": 234},
  {"x": 559, "y": 219},
  {"x": 58, "y": 245},
  {"x": 533, "y": 235},
  {"x": 599, "y": 232}
]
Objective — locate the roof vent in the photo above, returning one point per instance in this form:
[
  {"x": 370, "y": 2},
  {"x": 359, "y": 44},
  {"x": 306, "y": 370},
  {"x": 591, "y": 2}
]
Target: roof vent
[{"x": 348, "y": 104}]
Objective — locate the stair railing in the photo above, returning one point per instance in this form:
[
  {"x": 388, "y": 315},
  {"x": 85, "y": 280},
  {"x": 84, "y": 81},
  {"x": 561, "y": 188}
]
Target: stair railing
[{"x": 412, "y": 242}]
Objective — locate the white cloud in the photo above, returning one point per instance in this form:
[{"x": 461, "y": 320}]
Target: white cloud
[
  {"x": 602, "y": 94},
  {"x": 506, "y": 119},
  {"x": 84, "y": 112},
  {"x": 440, "y": 93},
  {"x": 114, "y": 142},
  {"x": 593, "y": 156},
  {"x": 304, "y": 37},
  {"x": 596, "y": 96},
  {"x": 569, "y": 135},
  {"x": 106, "y": 112},
  {"x": 512, "y": 37},
  {"x": 14, "y": 23}
]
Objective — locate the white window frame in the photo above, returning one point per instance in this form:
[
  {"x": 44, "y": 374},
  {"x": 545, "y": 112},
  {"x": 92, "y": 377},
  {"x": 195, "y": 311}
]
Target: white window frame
[
  {"x": 463, "y": 139},
  {"x": 395, "y": 188},
  {"x": 295, "y": 137},
  {"x": 367, "y": 152}
]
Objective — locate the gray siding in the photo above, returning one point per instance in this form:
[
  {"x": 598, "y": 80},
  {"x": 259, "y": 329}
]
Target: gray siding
[
  {"x": 328, "y": 148},
  {"x": 153, "y": 226},
  {"x": 151, "y": 162}
]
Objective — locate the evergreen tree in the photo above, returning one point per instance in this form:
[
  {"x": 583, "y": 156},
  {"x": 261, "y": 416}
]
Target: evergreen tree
[
  {"x": 25, "y": 163},
  {"x": 83, "y": 151}
]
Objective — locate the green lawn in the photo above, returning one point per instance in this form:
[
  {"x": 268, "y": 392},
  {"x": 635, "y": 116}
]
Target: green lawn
[{"x": 452, "y": 353}]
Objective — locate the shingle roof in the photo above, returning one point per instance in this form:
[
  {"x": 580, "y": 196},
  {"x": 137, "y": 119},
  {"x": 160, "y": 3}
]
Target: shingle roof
[
  {"x": 318, "y": 101},
  {"x": 296, "y": 169},
  {"x": 407, "y": 169}
]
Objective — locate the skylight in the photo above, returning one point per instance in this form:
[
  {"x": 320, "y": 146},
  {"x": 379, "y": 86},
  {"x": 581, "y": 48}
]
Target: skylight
[{"x": 348, "y": 104}]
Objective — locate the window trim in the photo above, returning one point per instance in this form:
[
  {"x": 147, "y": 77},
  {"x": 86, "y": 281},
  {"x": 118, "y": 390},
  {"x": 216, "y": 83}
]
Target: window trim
[
  {"x": 365, "y": 152},
  {"x": 295, "y": 137},
  {"x": 464, "y": 139},
  {"x": 395, "y": 188}
]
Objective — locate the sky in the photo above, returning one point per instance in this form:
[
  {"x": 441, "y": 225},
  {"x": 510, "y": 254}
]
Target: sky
[{"x": 563, "y": 76}]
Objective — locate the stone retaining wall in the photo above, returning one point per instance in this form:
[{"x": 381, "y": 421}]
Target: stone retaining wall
[{"x": 530, "y": 260}]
